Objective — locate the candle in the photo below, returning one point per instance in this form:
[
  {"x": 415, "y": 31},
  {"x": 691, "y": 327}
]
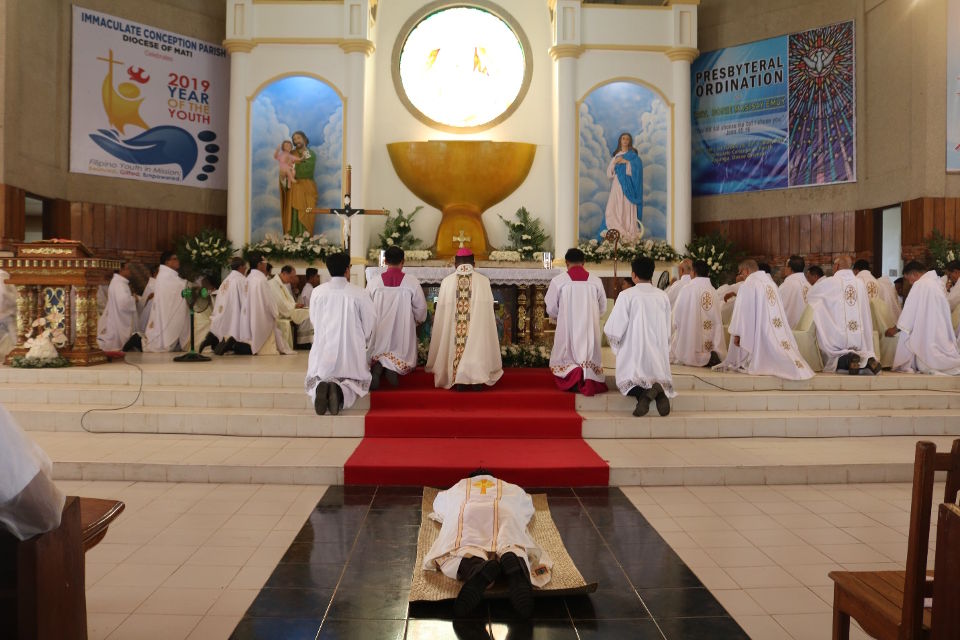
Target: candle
[{"x": 346, "y": 189}]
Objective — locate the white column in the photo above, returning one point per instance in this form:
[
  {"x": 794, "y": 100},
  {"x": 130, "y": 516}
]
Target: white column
[
  {"x": 238, "y": 160},
  {"x": 682, "y": 185},
  {"x": 565, "y": 225}
]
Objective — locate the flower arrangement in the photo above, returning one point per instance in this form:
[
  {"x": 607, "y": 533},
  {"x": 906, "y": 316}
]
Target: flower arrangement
[
  {"x": 206, "y": 253},
  {"x": 598, "y": 251},
  {"x": 942, "y": 249},
  {"x": 409, "y": 255},
  {"x": 526, "y": 235},
  {"x": 46, "y": 336},
  {"x": 398, "y": 231},
  {"x": 718, "y": 252},
  {"x": 304, "y": 247},
  {"x": 525, "y": 355}
]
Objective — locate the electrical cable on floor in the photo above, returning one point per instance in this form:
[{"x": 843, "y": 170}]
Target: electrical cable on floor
[{"x": 133, "y": 402}]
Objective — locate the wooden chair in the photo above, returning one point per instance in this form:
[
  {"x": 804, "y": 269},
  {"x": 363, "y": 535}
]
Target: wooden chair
[
  {"x": 889, "y": 604},
  {"x": 945, "y": 622},
  {"x": 42, "y": 582}
]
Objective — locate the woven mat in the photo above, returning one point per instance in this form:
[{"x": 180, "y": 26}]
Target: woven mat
[{"x": 433, "y": 585}]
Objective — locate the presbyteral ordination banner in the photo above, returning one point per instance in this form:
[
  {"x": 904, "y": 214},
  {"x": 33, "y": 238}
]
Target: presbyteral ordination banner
[
  {"x": 147, "y": 104},
  {"x": 775, "y": 113}
]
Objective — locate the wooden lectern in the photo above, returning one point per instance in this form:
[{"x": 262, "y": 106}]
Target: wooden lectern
[{"x": 46, "y": 275}]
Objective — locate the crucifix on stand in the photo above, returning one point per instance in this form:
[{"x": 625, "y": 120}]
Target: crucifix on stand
[
  {"x": 461, "y": 238},
  {"x": 346, "y": 212}
]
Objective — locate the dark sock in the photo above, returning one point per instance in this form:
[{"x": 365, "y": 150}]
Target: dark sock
[
  {"x": 471, "y": 593},
  {"x": 135, "y": 343},
  {"x": 518, "y": 583},
  {"x": 242, "y": 349}
]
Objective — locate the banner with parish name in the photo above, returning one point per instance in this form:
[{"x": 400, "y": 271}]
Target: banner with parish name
[
  {"x": 953, "y": 85},
  {"x": 147, "y": 104},
  {"x": 775, "y": 113}
]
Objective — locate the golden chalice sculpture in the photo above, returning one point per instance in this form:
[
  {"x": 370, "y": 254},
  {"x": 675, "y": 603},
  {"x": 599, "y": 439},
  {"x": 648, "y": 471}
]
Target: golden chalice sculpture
[{"x": 462, "y": 178}]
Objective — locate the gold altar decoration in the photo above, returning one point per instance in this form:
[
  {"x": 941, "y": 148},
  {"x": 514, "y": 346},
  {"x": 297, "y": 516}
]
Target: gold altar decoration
[
  {"x": 462, "y": 178},
  {"x": 45, "y": 283}
]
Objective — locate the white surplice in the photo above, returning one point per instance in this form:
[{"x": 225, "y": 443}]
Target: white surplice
[
  {"x": 953, "y": 297},
  {"x": 169, "y": 325},
  {"x": 464, "y": 346},
  {"x": 344, "y": 318},
  {"x": 230, "y": 318},
  {"x": 695, "y": 327},
  {"x": 638, "y": 331},
  {"x": 287, "y": 312},
  {"x": 841, "y": 312},
  {"x": 726, "y": 306},
  {"x": 305, "y": 329},
  {"x": 482, "y": 517},
  {"x": 145, "y": 304},
  {"x": 767, "y": 345},
  {"x": 793, "y": 293},
  {"x": 927, "y": 342},
  {"x": 119, "y": 319},
  {"x": 883, "y": 290},
  {"x": 265, "y": 337},
  {"x": 674, "y": 289},
  {"x": 398, "y": 310},
  {"x": 29, "y": 501},
  {"x": 577, "y": 307}
]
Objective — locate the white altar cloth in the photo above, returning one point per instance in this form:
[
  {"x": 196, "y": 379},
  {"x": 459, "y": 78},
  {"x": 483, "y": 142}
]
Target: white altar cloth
[{"x": 503, "y": 276}]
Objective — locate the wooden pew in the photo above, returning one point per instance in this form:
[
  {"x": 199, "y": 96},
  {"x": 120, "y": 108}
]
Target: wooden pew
[
  {"x": 889, "y": 605},
  {"x": 946, "y": 589},
  {"x": 42, "y": 581}
]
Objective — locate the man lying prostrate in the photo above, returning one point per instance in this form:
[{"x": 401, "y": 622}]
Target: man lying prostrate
[
  {"x": 30, "y": 503},
  {"x": 483, "y": 534}
]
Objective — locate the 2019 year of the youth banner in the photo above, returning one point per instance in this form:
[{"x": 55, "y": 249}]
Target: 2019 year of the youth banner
[
  {"x": 147, "y": 104},
  {"x": 775, "y": 113}
]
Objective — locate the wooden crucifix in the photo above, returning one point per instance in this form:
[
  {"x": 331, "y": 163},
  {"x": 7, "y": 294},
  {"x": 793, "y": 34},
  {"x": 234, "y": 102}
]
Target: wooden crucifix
[{"x": 346, "y": 212}]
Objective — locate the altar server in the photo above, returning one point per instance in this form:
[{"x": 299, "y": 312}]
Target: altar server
[
  {"x": 265, "y": 337},
  {"x": 289, "y": 311},
  {"x": 400, "y": 306},
  {"x": 118, "y": 323},
  {"x": 145, "y": 301},
  {"x": 30, "y": 503},
  {"x": 761, "y": 341},
  {"x": 638, "y": 331},
  {"x": 841, "y": 312},
  {"x": 685, "y": 273},
  {"x": 229, "y": 321},
  {"x": 305, "y": 329},
  {"x": 576, "y": 300},
  {"x": 168, "y": 328},
  {"x": 338, "y": 371},
  {"x": 927, "y": 341},
  {"x": 483, "y": 533},
  {"x": 696, "y": 330},
  {"x": 793, "y": 291},
  {"x": 465, "y": 347},
  {"x": 881, "y": 289}
]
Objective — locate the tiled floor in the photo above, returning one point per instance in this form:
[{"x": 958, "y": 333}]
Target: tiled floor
[
  {"x": 347, "y": 575},
  {"x": 187, "y": 560}
]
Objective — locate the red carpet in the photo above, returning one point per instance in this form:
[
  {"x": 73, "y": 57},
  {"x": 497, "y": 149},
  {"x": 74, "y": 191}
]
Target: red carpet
[{"x": 523, "y": 429}]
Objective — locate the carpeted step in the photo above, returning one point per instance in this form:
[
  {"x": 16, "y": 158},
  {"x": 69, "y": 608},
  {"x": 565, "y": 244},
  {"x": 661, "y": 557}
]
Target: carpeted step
[
  {"x": 447, "y": 399},
  {"x": 494, "y": 421},
  {"x": 444, "y": 461}
]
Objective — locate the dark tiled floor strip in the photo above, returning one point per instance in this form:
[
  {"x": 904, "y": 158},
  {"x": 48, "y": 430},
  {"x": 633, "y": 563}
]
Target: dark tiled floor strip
[{"x": 347, "y": 575}]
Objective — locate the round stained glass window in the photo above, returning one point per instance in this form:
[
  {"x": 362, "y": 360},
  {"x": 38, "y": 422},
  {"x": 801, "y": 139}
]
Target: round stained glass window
[{"x": 461, "y": 68}]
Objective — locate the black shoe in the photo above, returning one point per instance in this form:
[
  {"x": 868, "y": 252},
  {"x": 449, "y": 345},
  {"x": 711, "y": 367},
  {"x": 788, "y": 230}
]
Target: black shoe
[
  {"x": 392, "y": 378},
  {"x": 375, "y": 372},
  {"x": 477, "y": 387},
  {"x": 320, "y": 401},
  {"x": 135, "y": 343},
  {"x": 714, "y": 360},
  {"x": 461, "y": 387},
  {"x": 471, "y": 593},
  {"x": 224, "y": 346},
  {"x": 643, "y": 404},
  {"x": 334, "y": 399},
  {"x": 854, "y": 365},
  {"x": 210, "y": 341},
  {"x": 518, "y": 584},
  {"x": 242, "y": 349},
  {"x": 660, "y": 397},
  {"x": 873, "y": 366}
]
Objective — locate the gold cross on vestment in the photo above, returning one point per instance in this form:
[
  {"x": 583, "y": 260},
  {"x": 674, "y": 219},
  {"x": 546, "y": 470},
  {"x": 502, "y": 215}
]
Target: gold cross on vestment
[
  {"x": 461, "y": 238},
  {"x": 483, "y": 485}
]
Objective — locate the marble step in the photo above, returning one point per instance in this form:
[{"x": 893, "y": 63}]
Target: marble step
[
  {"x": 245, "y": 422},
  {"x": 783, "y": 424},
  {"x": 727, "y": 401},
  {"x": 691, "y": 378}
]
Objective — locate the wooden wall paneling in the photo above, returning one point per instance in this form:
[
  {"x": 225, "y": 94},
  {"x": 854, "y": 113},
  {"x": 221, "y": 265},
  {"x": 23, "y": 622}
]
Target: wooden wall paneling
[
  {"x": 804, "y": 224},
  {"x": 794, "y": 245},
  {"x": 76, "y": 220},
  {"x": 99, "y": 222},
  {"x": 849, "y": 231},
  {"x": 826, "y": 233},
  {"x": 837, "y": 231},
  {"x": 136, "y": 235},
  {"x": 766, "y": 240},
  {"x": 149, "y": 221},
  {"x": 938, "y": 214},
  {"x": 86, "y": 230},
  {"x": 950, "y": 217},
  {"x": 120, "y": 231},
  {"x": 774, "y": 234},
  {"x": 815, "y": 235},
  {"x": 927, "y": 218},
  {"x": 784, "y": 234},
  {"x": 756, "y": 237},
  {"x": 110, "y": 227}
]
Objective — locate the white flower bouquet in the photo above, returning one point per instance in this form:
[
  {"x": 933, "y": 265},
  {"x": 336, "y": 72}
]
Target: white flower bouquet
[{"x": 286, "y": 247}]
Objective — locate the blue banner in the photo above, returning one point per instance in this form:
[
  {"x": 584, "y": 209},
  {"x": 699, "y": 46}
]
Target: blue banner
[{"x": 775, "y": 113}]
